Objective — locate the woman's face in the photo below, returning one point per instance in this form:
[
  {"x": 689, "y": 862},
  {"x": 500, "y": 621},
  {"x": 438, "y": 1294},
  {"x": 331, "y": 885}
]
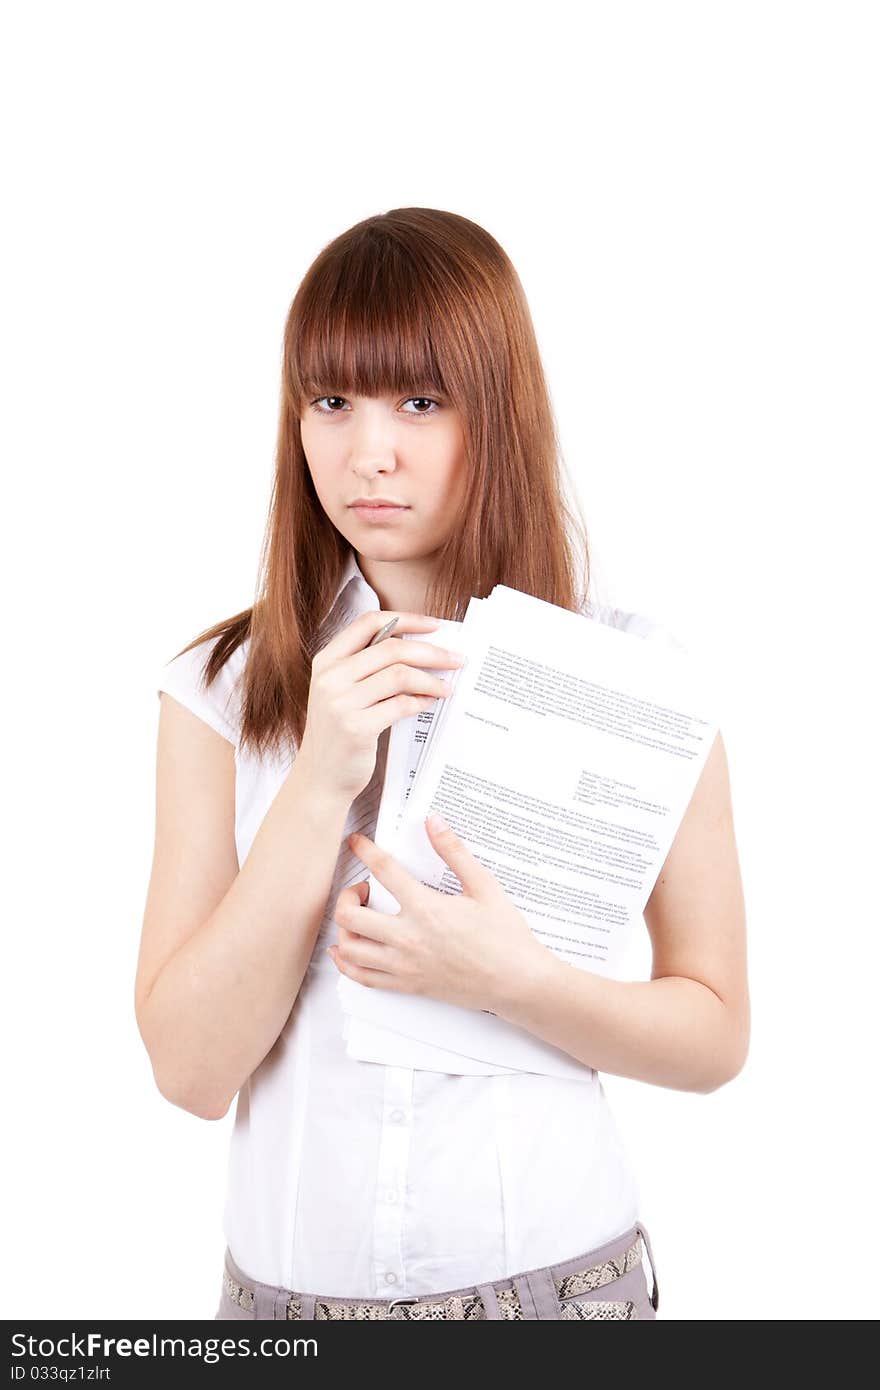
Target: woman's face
[{"x": 404, "y": 449}]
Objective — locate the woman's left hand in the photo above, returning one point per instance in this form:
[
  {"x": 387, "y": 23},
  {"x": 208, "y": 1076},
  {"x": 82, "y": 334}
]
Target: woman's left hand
[{"x": 473, "y": 948}]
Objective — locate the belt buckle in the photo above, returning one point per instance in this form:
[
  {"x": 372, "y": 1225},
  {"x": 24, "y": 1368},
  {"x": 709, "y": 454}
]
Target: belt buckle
[{"x": 414, "y": 1298}]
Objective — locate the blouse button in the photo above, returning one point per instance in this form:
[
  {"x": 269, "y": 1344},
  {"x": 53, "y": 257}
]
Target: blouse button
[
  {"x": 397, "y": 1116},
  {"x": 390, "y": 1278}
]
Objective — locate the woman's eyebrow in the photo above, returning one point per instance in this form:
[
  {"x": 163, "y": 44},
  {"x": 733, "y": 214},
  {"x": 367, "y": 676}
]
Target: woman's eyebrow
[{"x": 314, "y": 388}]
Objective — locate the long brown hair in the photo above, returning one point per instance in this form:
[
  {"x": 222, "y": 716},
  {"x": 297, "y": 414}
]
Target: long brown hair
[{"x": 411, "y": 298}]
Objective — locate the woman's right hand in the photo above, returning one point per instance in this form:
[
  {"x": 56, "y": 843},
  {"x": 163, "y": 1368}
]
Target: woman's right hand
[{"x": 357, "y": 691}]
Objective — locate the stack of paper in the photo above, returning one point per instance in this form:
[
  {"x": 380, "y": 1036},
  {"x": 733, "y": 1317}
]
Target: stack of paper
[{"x": 565, "y": 759}]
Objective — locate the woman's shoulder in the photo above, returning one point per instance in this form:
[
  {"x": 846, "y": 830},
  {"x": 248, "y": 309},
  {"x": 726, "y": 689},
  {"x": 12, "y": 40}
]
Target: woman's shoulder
[
  {"x": 639, "y": 623},
  {"x": 218, "y": 703}
]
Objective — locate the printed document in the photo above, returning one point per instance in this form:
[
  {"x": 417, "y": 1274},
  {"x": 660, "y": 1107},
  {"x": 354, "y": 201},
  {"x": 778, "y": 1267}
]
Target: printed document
[{"x": 565, "y": 759}]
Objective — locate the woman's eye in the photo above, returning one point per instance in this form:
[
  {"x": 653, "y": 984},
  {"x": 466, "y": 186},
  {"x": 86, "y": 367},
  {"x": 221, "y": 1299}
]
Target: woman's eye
[{"x": 424, "y": 404}]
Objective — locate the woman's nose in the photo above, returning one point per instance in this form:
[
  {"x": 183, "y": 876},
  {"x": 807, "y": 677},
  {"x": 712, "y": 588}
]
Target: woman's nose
[{"x": 372, "y": 441}]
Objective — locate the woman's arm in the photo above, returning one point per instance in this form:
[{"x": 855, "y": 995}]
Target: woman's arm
[
  {"x": 688, "y": 1026},
  {"x": 224, "y": 951}
]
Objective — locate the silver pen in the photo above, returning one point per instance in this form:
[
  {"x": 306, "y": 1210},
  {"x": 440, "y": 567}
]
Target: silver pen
[{"x": 383, "y": 631}]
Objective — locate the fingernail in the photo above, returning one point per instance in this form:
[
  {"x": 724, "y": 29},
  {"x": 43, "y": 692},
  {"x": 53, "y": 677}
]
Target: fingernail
[{"x": 436, "y": 821}]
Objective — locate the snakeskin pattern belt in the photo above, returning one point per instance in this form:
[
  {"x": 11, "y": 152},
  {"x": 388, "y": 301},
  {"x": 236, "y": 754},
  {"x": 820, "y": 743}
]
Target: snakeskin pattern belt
[{"x": 470, "y": 1305}]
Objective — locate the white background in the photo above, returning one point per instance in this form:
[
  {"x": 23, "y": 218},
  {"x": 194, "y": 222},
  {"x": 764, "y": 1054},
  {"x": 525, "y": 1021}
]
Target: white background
[{"x": 689, "y": 194}]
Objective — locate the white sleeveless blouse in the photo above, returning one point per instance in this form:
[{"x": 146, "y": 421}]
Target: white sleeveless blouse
[{"x": 357, "y": 1179}]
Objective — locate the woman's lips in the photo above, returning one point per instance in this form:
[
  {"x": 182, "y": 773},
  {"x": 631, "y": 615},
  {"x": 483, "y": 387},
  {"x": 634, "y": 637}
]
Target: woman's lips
[{"x": 379, "y": 513}]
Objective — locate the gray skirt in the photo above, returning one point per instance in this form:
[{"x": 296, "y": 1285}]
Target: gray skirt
[{"x": 606, "y": 1282}]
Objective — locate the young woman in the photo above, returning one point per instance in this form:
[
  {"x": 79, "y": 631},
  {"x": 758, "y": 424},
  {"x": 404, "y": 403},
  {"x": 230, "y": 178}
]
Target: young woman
[{"x": 411, "y": 377}]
